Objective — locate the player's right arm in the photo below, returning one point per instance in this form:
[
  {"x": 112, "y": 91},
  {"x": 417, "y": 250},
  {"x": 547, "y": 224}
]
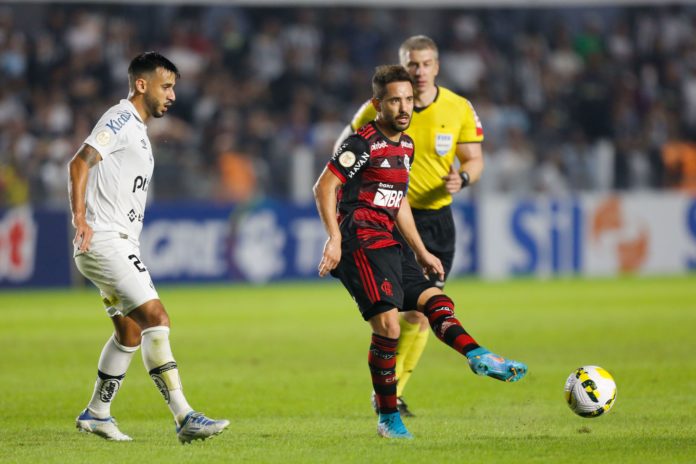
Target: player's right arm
[
  {"x": 79, "y": 167},
  {"x": 325, "y": 195}
]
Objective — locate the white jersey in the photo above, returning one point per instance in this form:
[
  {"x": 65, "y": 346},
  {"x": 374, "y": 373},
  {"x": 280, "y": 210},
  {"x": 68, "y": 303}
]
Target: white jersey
[{"x": 117, "y": 186}]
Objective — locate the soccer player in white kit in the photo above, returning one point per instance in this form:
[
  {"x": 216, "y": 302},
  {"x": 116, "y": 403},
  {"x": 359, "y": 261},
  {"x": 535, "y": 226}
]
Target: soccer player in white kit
[{"x": 109, "y": 179}]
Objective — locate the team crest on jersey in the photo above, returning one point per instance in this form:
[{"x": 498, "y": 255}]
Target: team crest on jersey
[
  {"x": 347, "y": 159},
  {"x": 103, "y": 138},
  {"x": 407, "y": 162},
  {"x": 387, "y": 288},
  {"x": 443, "y": 143}
]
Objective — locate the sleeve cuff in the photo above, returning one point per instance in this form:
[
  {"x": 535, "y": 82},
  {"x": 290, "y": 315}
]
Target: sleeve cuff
[{"x": 338, "y": 173}]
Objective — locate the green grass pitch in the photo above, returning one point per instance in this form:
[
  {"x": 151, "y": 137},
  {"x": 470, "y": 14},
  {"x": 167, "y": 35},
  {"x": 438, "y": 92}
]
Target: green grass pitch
[{"x": 287, "y": 364}]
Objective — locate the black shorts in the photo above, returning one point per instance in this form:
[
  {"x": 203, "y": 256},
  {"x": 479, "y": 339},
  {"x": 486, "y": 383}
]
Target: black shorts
[
  {"x": 436, "y": 228},
  {"x": 373, "y": 279}
]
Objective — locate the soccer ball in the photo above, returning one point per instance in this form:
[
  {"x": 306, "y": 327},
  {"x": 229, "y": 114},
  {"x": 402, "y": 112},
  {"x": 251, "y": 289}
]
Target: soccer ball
[{"x": 590, "y": 391}]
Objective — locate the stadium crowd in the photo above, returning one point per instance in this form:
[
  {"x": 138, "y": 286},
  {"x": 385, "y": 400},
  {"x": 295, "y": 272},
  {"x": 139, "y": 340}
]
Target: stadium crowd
[{"x": 571, "y": 99}]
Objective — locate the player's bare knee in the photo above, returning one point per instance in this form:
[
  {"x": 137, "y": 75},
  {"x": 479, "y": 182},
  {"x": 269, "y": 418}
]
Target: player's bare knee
[
  {"x": 126, "y": 331},
  {"x": 427, "y": 294},
  {"x": 412, "y": 317},
  {"x": 150, "y": 314},
  {"x": 128, "y": 337},
  {"x": 386, "y": 324}
]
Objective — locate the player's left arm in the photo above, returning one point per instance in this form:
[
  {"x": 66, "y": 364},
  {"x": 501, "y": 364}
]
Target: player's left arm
[
  {"x": 470, "y": 157},
  {"x": 407, "y": 226}
]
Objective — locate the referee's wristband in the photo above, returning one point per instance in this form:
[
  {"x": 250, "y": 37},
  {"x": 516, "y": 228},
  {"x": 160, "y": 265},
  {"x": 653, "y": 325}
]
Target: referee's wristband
[{"x": 464, "y": 176}]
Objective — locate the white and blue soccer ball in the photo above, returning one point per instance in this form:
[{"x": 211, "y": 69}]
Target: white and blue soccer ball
[{"x": 590, "y": 391}]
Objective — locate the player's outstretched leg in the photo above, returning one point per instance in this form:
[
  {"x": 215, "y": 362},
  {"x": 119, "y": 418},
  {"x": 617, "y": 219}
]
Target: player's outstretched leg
[
  {"x": 483, "y": 362},
  {"x": 439, "y": 310}
]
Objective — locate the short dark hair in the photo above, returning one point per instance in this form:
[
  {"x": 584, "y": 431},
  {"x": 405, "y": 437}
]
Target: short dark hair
[
  {"x": 148, "y": 62},
  {"x": 386, "y": 74}
]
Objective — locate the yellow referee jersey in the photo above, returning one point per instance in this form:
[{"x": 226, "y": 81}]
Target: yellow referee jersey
[{"x": 436, "y": 130}]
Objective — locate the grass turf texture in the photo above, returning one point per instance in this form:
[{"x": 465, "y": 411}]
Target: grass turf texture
[{"x": 287, "y": 364}]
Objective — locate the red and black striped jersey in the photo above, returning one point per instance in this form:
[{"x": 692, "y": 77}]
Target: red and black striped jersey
[{"x": 374, "y": 171}]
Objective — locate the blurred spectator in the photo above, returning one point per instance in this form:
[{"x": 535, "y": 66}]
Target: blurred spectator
[{"x": 570, "y": 100}]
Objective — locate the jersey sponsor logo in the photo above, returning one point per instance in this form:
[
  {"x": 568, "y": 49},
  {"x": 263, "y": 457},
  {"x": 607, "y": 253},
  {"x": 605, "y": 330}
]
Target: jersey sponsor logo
[
  {"x": 103, "y": 138},
  {"x": 385, "y": 164},
  {"x": 347, "y": 159},
  {"x": 140, "y": 183},
  {"x": 378, "y": 145},
  {"x": 406, "y": 144},
  {"x": 133, "y": 216},
  {"x": 388, "y": 198},
  {"x": 108, "y": 389},
  {"x": 443, "y": 143},
  {"x": 161, "y": 386},
  {"x": 356, "y": 167},
  {"x": 117, "y": 124}
]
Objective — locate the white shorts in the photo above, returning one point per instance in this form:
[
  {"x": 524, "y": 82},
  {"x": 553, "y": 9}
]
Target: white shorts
[{"x": 113, "y": 265}]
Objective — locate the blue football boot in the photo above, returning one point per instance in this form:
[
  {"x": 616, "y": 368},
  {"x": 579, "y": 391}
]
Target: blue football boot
[
  {"x": 106, "y": 428},
  {"x": 196, "y": 426},
  {"x": 483, "y": 362},
  {"x": 391, "y": 426}
]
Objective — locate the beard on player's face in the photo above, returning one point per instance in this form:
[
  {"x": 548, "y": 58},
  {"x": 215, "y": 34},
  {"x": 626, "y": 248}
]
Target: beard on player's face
[
  {"x": 395, "y": 125},
  {"x": 153, "y": 106}
]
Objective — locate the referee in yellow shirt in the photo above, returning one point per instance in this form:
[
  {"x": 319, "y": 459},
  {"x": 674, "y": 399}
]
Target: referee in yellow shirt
[{"x": 444, "y": 125}]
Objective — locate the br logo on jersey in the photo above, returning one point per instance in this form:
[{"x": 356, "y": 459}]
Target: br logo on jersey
[
  {"x": 443, "y": 143},
  {"x": 388, "y": 198}
]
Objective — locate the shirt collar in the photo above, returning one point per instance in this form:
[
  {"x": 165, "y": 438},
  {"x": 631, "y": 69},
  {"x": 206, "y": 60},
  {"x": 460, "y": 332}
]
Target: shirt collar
[{"x": 132, "y": 109}]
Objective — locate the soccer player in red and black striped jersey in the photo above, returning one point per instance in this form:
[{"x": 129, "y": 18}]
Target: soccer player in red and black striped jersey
[{"x": 366, "y": 182}]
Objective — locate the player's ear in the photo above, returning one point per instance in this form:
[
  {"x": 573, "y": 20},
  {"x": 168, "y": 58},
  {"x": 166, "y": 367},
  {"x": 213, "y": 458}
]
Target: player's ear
[
  {"x": 377, "y": 104},
  {"x": 140, "y": 85}
]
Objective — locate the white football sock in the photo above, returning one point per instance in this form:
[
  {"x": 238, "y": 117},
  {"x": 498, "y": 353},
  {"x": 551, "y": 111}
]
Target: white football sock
[
  {"x": 113, "y": 364},
  {"x": 159, "y": 361}
]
